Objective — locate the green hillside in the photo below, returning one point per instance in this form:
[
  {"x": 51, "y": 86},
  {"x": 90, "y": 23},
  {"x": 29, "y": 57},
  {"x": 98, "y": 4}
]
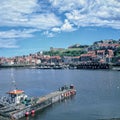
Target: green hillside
[{"x": 65, "y": 52}]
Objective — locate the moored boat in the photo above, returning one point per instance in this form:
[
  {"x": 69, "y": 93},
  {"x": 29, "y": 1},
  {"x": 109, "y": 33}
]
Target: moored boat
[{"x": 18, "y": 104}]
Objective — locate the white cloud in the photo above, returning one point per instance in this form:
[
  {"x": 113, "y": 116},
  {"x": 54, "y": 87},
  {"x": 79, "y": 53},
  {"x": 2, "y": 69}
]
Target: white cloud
[
  {"x": 48, "y": 34},
  {"x": 67, "y": 5},
  {"x": 44, "y": 21},
  {"x": 17, "y": 33},
  {"x": 13, "y": 11},
  {"x": 67, "y": 26},
  {"x": 8, "y": 39},
  {"x": 56, "y": 29},
  {"x": 8, "y": 43},
  {"x": 27, "y": 13},
  {"x": 102, "y": 13},
  {"x": 55, "y": 16}
]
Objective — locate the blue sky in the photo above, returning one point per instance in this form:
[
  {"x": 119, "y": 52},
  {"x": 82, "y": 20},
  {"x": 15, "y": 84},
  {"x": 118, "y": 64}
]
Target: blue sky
[{"x": 29, "y": 26}]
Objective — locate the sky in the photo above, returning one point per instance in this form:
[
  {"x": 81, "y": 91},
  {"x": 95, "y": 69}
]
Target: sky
[{"x": 30, "y": 26}]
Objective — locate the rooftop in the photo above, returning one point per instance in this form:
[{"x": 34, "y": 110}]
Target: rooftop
[{"x": 16, "y": 92}]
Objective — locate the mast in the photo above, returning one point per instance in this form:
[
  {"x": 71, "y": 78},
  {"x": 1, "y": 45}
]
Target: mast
[
  {"x": 14, "y": 86},
  {"x": 15, "y": 95}
]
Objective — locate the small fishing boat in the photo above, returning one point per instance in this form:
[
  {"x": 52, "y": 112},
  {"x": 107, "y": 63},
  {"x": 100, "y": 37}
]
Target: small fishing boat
[{"x": 17, "y": 104}]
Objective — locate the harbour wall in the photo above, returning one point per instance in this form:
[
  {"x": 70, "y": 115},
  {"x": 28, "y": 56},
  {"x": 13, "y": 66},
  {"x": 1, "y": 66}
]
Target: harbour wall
[{"x": 67, "y": 66}]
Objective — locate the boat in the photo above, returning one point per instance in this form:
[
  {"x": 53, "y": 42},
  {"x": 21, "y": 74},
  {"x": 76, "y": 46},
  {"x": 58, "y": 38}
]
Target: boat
[{"x": 18, "y": 105}]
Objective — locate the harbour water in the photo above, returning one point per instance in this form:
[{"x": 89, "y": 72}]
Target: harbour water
[{"x": 97, "y": 98}]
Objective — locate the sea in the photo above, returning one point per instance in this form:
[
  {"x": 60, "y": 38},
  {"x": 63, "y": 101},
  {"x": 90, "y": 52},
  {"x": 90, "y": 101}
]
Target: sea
[{"x": 97, "y": 97}]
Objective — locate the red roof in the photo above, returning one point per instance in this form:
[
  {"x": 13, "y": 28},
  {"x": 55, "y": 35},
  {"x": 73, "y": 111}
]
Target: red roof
[
  {"x": 55, "y": 57},
  {"x": 88, "y": 55},
  {"x": 100, "y": 51},
  {"x": 15, "y": 92},
  {"x": 111, "y": 45},
  {"x": 91, "y": 52}
]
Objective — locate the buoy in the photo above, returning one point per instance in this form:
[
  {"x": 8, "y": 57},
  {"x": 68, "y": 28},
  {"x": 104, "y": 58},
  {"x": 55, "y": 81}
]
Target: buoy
[
  {"x": 65, "y": 95},
  {"x": 33, "y": 112},
  {"x": 74, "y": 92},
  {"x": 71, "y": 92},
  {"x": 27, "y": 114}
]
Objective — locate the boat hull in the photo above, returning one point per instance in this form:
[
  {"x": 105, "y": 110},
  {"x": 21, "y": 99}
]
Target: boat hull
[{"x": 38, "y": 104}]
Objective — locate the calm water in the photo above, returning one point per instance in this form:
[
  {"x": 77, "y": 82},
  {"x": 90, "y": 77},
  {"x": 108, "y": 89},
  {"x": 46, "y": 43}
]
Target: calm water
[{"x": 98, "y": 92}]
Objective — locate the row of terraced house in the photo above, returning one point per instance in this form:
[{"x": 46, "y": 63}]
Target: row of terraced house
[
  {"x": 101, "y": 52},
  {"x": 101, "y": 56}
]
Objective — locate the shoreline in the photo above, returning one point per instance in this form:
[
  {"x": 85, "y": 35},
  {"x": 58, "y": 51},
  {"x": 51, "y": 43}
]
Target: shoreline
[{"x": 68, "y": 66}]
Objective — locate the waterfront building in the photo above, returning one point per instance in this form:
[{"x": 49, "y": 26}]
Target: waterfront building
[
  {"x": 69, "y": 59},
  {"x": 101, "y": 54},
  {"x": 89, "y": 56}
]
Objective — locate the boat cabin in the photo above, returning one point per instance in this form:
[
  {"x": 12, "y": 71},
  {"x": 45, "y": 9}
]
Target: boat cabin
[{"x": 16, "y": 96}]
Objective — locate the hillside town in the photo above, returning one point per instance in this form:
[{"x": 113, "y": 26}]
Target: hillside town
[{"x": 104, "y": 51}]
